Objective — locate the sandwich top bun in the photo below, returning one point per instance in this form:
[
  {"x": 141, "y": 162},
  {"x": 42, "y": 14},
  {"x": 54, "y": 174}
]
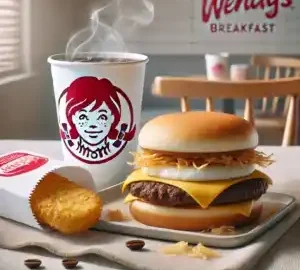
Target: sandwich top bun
[{"x": 198, "y": 132}]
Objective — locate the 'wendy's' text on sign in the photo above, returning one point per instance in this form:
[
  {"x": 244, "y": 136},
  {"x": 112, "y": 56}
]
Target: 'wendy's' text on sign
[{"x": 220, "y": 9}]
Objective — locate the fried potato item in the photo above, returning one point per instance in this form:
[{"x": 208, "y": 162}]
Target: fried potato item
[{"x": 65, "y": 206}]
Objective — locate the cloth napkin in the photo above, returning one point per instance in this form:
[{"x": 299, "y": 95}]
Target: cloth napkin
[{"x": 112, "y": 246}]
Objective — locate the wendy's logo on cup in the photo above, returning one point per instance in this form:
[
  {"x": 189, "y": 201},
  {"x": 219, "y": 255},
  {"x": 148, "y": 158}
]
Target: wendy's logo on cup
[
  {"x": 96, "y": 119},
  {"x": 218, "y": 69}
]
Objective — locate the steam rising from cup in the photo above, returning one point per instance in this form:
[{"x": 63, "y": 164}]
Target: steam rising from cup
[{"x": 109, "y": 27}]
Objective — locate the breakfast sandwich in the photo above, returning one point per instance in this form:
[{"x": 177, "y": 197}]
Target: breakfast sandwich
[{"x": 197, "y": 171}]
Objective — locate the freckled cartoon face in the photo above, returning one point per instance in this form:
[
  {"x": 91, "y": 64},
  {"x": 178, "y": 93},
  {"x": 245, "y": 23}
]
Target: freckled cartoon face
[{"x": 93, "y": 125}]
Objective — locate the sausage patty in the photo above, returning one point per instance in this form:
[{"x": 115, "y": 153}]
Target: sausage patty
[{"x": 167, "y": 195}]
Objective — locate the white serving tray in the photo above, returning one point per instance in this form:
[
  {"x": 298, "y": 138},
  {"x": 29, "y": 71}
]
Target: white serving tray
[{"x": 276, "y": 206}]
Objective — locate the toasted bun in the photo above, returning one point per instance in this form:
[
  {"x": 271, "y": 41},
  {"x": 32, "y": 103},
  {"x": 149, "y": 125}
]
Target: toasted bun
[
  {"x": 190, "y": 219},
  {"x": 198, "y": 132},
  {"x": 209, "y": 173}
]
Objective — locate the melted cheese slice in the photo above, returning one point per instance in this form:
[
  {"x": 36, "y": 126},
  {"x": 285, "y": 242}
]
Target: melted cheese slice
[
  {"x": 243, "y": 208},
  {"x": 203, "y": 192}
]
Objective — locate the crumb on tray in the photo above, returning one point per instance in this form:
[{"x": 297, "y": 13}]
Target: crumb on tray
[
  {"x": 183, "y": 248},
  {"x": 115, "y": 215}
]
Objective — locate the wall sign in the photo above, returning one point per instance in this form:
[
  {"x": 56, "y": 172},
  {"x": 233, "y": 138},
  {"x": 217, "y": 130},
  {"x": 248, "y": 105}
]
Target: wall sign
[{"x": 234, "y": 26}]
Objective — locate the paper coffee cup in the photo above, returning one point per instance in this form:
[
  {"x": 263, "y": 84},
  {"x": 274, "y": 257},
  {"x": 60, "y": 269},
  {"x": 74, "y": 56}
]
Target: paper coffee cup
[
  {"x": 21, "y": 171},
  {"x": 239, "y": 72},
  {"x": 99, "y": 107},
  {"x": 217, "y": 66}
]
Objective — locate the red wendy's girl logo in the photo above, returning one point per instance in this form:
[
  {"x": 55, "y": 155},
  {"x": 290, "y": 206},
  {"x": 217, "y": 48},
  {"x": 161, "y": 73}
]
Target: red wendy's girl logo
[
  {"x": 218, "y": 69},
  {"x": 221, "y": 8},
  {"x": 96, "y": 119}
]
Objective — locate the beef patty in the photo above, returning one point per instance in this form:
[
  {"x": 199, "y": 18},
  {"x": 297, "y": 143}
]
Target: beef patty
[{"x": 167, "y": 195}]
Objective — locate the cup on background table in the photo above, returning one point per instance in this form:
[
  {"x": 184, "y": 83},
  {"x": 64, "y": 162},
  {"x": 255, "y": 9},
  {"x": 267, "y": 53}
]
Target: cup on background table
[
  {"x": 240, "y": 72},
  {"x": 217, "y": 67},
  {"x": 98, "y": 101}
]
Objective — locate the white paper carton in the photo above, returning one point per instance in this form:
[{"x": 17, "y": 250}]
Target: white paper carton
[{"x": 21, "y": 171}]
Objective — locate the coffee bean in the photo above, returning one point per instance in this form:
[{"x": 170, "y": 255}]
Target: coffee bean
[
  {"x": 69, "y": 263},
  {"x": 135, "y": 244},
  {"x": 33, "y": 263}
]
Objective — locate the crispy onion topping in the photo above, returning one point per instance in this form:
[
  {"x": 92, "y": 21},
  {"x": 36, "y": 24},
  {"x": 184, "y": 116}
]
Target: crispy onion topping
[{"x": 149, "y": 158}]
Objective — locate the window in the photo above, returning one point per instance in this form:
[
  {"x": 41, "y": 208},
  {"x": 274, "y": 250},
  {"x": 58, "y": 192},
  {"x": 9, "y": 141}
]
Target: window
[{"x": 13, "y": 35}]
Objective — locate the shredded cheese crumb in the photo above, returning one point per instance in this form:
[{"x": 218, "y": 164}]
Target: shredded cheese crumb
[
  {"x": 206, "y": 231},
  {"x": 183, "y": 248},
  {"x": 223, "y": 230},
  {"x": 203, "y": 252},
  {"x": 179, "y": 248},
  {"x": 115, "y": 215}
]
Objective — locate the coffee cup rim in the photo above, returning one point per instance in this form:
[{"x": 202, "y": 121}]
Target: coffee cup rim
[
  {"x": 59, "y": 59},
  {"x": 240, "y": 66}
]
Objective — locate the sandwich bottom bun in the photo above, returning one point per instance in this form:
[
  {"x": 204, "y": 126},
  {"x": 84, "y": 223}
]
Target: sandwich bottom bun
[{"x": 190, "y": 219}]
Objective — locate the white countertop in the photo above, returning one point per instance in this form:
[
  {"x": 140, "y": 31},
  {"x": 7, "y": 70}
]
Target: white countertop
[{"x": 285, "y": 255}]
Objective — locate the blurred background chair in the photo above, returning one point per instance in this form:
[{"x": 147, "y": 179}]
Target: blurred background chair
[
  {"x": 187, "y": 88},
  {"x": 271, "y": 114}
]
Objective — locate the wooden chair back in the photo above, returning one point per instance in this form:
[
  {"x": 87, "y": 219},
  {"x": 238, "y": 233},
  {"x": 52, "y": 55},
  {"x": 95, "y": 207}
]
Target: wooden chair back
[
  {"x": 268, "y": 67},
  {"x": 188, "y": 88}
]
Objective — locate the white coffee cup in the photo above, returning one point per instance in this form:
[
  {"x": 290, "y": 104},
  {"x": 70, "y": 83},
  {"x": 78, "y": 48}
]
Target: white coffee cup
[
  {"x": 217, "y": 66},
  {"x": 239, "y": 72},
  {"x": 99, "y": 107}
]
